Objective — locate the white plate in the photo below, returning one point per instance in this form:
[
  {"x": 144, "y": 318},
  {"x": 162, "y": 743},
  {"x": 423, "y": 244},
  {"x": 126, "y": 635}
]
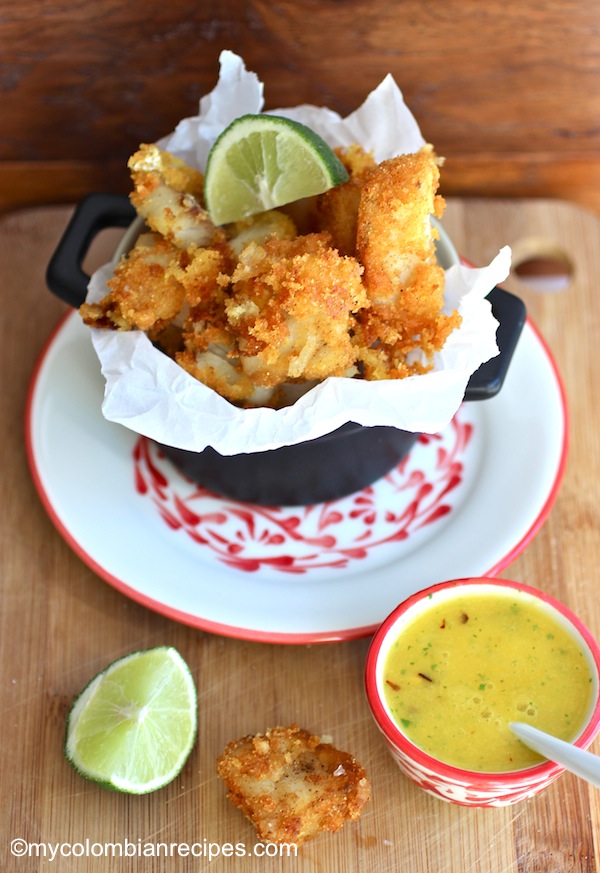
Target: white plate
[{"x": 464, "y": 503}]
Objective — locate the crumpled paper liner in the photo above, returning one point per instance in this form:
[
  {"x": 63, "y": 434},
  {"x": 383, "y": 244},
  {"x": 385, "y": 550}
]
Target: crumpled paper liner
[{"x": 149, "y": 393}]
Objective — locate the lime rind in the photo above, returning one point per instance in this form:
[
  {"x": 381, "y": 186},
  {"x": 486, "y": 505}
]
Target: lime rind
[
  {"x": 133, "y": 726},
  {"x": 261, "y": 162}
]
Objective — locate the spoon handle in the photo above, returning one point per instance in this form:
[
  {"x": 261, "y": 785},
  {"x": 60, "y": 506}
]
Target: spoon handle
[{"x": 577, "y": 761}]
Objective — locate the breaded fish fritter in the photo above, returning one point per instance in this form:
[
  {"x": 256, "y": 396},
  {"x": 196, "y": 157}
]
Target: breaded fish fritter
[
  {"x": 292, "y": 305},
  {"x": 291, "y": 785},
  {"x": 285, "y": 316},
  {"x": 144, "y": 293},
  {"x": 168, "y": 194},
  {"x": 394, "y": 234},
  {"x": 259, "y": 228},
  {"x": 337, "y": 209},
  {"x": 404, "y": 283}
]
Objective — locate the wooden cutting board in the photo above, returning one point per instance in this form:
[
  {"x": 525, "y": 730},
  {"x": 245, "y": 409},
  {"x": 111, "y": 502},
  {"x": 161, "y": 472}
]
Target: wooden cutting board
[{"x": 60, "y": 623}]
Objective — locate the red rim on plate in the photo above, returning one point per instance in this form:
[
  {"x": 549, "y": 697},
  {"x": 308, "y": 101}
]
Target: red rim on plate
[{"x": 234, "y": 630}]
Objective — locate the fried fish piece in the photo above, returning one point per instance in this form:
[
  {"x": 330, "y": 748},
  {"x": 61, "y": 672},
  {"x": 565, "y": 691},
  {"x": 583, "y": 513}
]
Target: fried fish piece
[
  {"x": 259, "y": 228},
  {"x": 291, "y": 785},
  {"x": 144, "y": 292},
  {"x": 395, "y": 237},
  {"x": 168, "y": 195},
  {"x": 336, "y": 210},
  {"x": 284, "y": 316},
  {"x": 396, "y": 245},
  {"x": 209, "y": 351},
  {"x": 210, "y": 355},
  {"x": 292, "y": 306}
]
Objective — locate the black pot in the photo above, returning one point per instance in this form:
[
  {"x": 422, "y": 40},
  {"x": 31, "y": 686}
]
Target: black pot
[{"x": 327, "y": 468}]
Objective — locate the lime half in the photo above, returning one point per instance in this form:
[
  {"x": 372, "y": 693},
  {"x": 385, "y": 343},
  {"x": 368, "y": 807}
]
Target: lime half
[
  {"x": 133, "y": 726},
  {"x": 261, "y": 162}
]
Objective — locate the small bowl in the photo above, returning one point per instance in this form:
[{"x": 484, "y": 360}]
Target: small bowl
[
  {"x": 470, "y": 787},
  {"x": 327, "y": 468}
]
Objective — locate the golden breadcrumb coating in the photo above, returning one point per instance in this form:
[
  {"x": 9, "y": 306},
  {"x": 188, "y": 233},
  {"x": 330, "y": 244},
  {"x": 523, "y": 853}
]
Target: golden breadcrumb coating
[
  {"x": 168, "y": 194},
  {"x": 286, "y": 315},
  {"x": 337, "y": 209},
  {"x": 291, "y": 785},
  {"x": 291, "y": 305},
  {"x": 144, "y": 293},
  {"x": 404, "y": 283}
]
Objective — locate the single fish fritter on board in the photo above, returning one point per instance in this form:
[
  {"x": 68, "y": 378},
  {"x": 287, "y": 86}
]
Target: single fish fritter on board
[{"x": 291, "y": 785}]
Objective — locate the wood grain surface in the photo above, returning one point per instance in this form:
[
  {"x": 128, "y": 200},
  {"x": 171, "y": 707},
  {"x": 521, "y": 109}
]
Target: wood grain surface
[
  {"x": 60, "y": 624},
  {"x": 507, "y": 91}
]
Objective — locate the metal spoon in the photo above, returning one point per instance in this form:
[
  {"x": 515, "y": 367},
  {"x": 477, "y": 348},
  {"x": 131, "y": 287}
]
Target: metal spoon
[{"x": 577, "y": 761}]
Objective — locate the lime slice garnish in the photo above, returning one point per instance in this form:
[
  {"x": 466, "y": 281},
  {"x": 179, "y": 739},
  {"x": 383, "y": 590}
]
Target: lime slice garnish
[
  {"x": 261, "y": 162},
  {"x": 133, "y": 726}
]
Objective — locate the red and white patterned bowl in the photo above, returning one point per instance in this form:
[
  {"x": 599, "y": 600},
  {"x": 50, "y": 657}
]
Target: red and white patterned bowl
[{"x": 467, "y": 787}]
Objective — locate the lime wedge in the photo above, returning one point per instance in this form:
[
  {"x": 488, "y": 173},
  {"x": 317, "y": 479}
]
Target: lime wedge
[
  {"x": 133, "y": 726},
  {"x": 261, "y": 162}
]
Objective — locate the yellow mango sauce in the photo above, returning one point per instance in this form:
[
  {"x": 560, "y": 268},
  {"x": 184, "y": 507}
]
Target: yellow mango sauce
[{"x": 463, "y": 670}]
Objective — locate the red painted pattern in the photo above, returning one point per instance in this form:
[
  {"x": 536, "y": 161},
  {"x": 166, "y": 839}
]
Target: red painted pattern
[{"x": 295, "y": 540}]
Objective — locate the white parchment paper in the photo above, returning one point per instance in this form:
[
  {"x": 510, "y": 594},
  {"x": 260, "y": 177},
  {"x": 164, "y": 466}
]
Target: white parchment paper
[{"x": 150, "y": 394}]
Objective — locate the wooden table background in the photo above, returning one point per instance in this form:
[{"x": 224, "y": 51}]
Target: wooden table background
[
  {"x": 60, "y": 624},
  {"x": 508, "y": 91}
]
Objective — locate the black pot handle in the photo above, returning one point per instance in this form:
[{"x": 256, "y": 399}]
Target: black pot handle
[
  {"x": 511, "y": 314},
  {"x": 65, "y": 276}
]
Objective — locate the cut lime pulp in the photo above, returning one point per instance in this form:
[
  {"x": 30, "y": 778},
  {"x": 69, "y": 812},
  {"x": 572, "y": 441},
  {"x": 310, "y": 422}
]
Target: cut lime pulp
[
  {"x": 134, "y": 725},
  {"x": 261, "y": 162}
]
